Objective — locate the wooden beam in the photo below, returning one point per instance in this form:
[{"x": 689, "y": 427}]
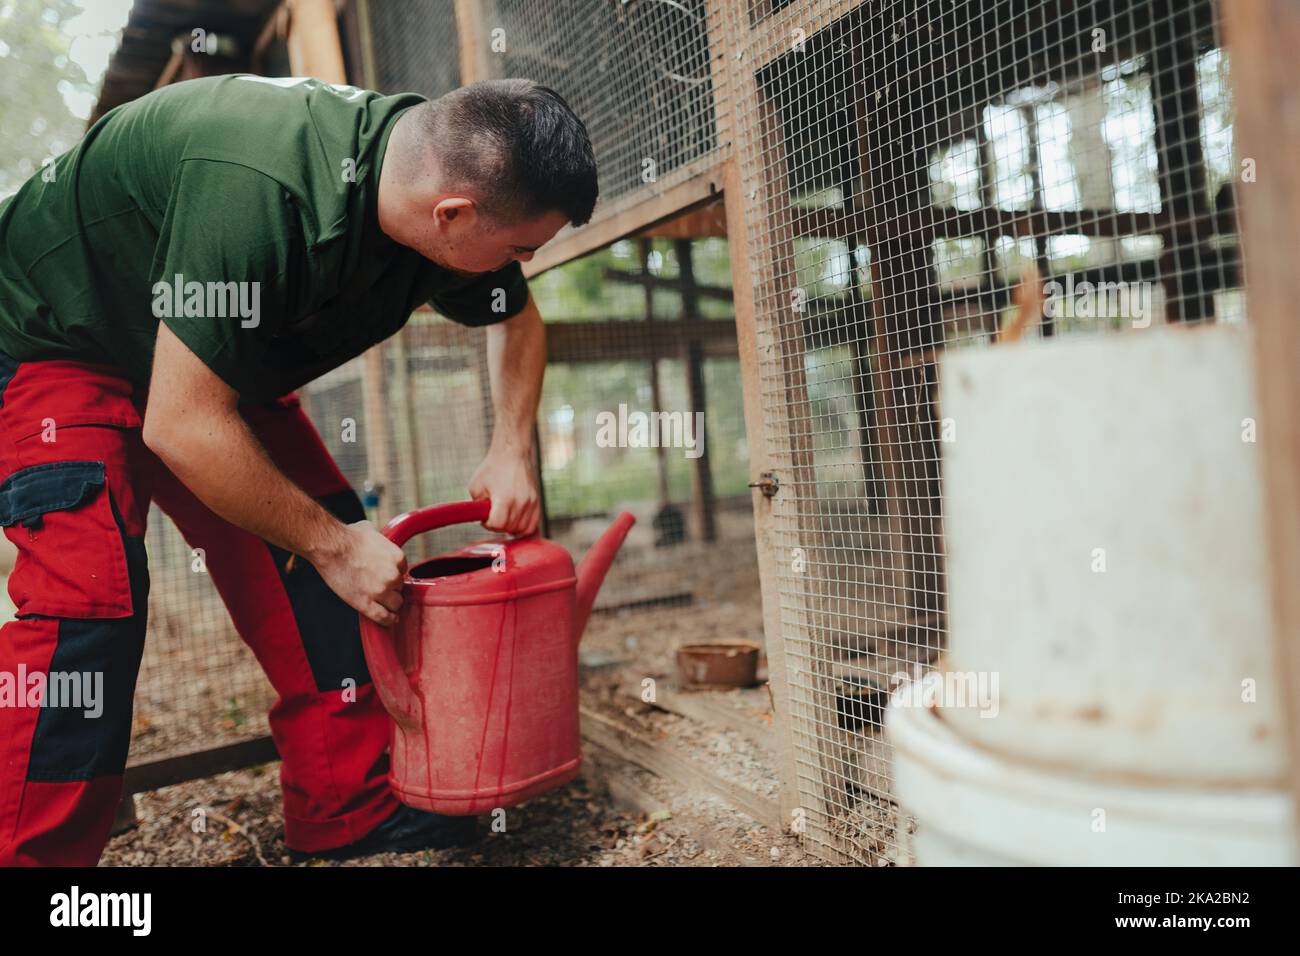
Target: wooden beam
[
  {"x": 773, "y": 36},
  {"x": 754, "y": 724},
  {"x": 697, "y": 398},
  {"x": 314, "y": 47},
  {"x": 659, "y": 759},
  {"x": 934, "y": 222},
  {"x": 706, "y": 222},
  {"x": 766, "y": 540},
  {"x": 697, "y": 183},
  {"x": 656, "y": 397},
  {"x": 165, "y": 771},
  {"x": 673, "y": 285},
  {"x": 170, "y": 71},
  {"x": 274, "y": 30},
  {"x": 1262, "y": 38},
  {"x": 315, "y": 50},
  {"x": 472, "y": 38},
  {"x": 632, "y": 341},
  {"x": 717, "y": 335},
  {"x": 787, "y": 419}
]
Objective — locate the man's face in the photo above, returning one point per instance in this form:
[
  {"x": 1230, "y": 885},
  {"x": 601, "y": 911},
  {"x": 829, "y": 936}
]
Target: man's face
[{"x": 470, "y": 244}]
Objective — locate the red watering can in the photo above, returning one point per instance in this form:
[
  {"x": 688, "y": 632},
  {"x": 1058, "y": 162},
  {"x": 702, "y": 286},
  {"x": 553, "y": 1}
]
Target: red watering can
[{"x": 480, "y": 673}]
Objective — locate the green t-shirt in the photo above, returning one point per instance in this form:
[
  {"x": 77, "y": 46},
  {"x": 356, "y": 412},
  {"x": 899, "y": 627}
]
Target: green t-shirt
[{"x": 242, "y": 212}]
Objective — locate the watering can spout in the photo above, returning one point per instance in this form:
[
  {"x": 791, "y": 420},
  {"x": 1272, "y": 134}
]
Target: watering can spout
[{"x": 592, "y": 568}]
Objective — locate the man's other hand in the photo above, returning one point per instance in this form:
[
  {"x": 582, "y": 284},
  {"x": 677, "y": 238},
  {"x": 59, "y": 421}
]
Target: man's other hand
[{"x": 506, "y": 477}]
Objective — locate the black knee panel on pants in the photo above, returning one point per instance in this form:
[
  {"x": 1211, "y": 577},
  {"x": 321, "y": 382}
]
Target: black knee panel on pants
[{"x": 330, "y": 629}]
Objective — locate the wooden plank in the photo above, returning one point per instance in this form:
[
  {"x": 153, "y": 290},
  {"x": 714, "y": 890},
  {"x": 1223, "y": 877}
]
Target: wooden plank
[
  {"x": 632, "y": 341},
  {"x": 697, "y": 183},
  {"x": 726, "y": 294},
  {"x": 656, "y": 398},
  {"x": 661, "y": 761},
  {"x": 936, "y": 222},
  {"x": 692, "y": 356},
  {"x": 606, "y": 769},
  {"x": 707, "y": 221},
  {"x": 773, "y": 35},
  {"x": 798, "y": 507},
  {"x": 704, "y": 706},
  {"x": 165, "y": 771},
  {"x": 751, "y": 346},
  {"x": 1263, "y": 37}
]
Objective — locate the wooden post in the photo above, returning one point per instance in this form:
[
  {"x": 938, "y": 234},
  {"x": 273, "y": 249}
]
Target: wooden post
[
  {"x": 656, "y": 399},
  {"x": 697, "y": 399},
  {"x": 314, "y": 47},
  {"x": 401, "y": 399},
  {"x": 473, "y": 21},
  {"x": 544, "y": 519},
  {"x": 1181, "y": 165},
  {"x": 779, "y": 330},
  {"x": 1037, "y": 206},
  {"x": 1263, "y": 36},
  {"x": 315, "y": 50},
  {"x": 751, "y": 346}
]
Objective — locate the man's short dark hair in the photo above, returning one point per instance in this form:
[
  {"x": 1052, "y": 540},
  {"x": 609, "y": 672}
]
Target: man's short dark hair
[{"x": 518, "y": 145}]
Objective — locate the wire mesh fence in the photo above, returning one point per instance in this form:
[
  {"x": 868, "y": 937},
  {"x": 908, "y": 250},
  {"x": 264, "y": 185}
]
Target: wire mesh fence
[
  {"x": 638, "y": 74},
  {"x": 642, "y": 333},
  {"x": 905, "y": 162},
  {"x": 411, "y": 46}
]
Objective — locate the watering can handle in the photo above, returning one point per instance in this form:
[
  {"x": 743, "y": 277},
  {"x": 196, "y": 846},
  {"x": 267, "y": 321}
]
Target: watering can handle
[
  {"x": 381, "y": 655},
  {"x": 407, "y": 525}
]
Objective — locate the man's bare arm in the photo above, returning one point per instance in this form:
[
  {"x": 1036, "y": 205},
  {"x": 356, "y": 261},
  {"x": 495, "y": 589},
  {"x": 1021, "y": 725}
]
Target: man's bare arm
[
  {"x": 193, "y": 424},
  {"x": 516, "y": 364}
]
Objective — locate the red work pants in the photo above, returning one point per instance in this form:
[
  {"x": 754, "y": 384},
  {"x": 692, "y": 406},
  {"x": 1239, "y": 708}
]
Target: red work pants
[{"x": 76, "y": 481}]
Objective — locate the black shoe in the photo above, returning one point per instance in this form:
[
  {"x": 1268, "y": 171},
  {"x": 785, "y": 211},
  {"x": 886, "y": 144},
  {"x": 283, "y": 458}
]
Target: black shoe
[{"x": 406, "y": 831}]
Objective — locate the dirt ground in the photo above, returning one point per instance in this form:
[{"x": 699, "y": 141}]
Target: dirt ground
[{"x": 577, "y": 825}]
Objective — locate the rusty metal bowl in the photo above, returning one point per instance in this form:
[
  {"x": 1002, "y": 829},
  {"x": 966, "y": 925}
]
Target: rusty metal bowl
[{"x": 726, "y": 665}]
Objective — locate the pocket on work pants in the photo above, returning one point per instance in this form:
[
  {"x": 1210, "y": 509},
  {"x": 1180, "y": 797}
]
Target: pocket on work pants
[
  {"x": 71, "y": 555},
  {"x": 68, "y": 498}
]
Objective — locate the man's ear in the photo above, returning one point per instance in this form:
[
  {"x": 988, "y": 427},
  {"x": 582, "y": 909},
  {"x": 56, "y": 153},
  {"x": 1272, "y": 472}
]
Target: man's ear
[{"x": 457, "y": 209}]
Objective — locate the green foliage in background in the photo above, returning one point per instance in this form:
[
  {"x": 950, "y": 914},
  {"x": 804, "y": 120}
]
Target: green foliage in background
[
  {"x": 35, "y": 123},
  {"x": 591, "y": 478}
]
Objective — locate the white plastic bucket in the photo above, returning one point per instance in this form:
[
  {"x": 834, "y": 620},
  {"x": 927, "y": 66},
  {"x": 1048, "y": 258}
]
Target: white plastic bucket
[
  {"x": 976, "y": 808},
  {"x": 1106, "y": 556}
]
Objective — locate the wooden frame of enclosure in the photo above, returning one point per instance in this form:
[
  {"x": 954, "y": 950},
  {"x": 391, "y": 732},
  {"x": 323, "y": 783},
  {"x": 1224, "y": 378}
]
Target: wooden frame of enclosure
[
  {"x": 903, "y": 358},
  {"x": 1268, "y": 124}
]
